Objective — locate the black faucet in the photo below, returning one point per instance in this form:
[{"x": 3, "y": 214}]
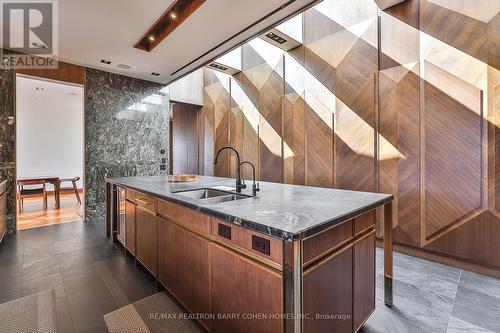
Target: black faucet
[
  {"x": 255, "y": 186},
  {"x": 239, "y": 184}
]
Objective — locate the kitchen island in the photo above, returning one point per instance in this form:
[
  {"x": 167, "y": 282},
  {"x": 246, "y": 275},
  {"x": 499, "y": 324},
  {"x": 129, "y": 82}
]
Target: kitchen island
[{"x": 292, "y": 259}]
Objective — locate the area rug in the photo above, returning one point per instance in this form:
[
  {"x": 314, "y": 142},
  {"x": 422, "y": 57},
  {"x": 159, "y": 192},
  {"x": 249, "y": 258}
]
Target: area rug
[
  {"x": 156, "y": 313},
  {"x": 34, "y": 313}
]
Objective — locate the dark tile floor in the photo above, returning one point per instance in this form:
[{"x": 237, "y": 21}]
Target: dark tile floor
[{"x": 92, "y": 278}]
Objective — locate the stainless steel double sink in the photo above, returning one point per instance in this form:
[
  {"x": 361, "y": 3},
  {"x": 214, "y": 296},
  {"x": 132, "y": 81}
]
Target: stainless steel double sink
[{"x": 212, "y": 195}]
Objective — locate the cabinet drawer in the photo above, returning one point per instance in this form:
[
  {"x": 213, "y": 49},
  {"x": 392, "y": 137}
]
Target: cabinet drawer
[
  {"x": 257, "y": 243},
  {"x": 146, "y": 202},
  {"x": 130, "y": 194},
  {"x": 363, "y": 222},
  {"x": 322, "y": 243},
  {"x": 185, "y": 216}
]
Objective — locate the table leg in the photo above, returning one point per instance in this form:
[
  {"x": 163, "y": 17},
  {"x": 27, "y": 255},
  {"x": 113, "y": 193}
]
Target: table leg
[
  {"x": 388, "y": 223},
  {"x": 57, "y": 193}
]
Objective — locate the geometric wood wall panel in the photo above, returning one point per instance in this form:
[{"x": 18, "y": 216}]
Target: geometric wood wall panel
[
  {"x": 476, "y": 240},
  {"x": 453, "y": 135},
  {"x": 322, "y": 112},
  {"x": 458, "y": 30},
  {"x": 408, "y": 167}
]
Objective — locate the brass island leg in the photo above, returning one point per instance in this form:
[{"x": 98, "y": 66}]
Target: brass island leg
[{"x": 388, "y": 223}]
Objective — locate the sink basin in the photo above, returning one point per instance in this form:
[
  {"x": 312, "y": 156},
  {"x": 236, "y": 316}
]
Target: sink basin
[
  {"x": 202, "y": 193},
  {"x": 229, "y": 197},
  {"x": 212, "y": 195}
]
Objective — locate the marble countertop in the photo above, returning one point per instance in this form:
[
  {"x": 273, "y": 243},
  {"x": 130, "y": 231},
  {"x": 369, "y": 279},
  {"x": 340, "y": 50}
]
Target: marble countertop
[{"x": 280, "y": 210}]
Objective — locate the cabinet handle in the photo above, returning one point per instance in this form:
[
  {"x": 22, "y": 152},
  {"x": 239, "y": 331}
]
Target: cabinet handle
[{"x": 144, "y": 202}]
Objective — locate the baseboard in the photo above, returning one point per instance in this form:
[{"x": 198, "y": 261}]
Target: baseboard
[{"x": 445, "y": 259}]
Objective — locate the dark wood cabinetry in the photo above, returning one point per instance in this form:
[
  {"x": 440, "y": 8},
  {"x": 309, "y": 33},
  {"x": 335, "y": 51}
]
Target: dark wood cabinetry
[
  {"x": 364, "y": 279},
  {"x": 130, "y": 226},
  {"x": 184, "y": 267},
  {"x": 146, "y": 240},
  {"x": 234, "y": 279},
  {"x": 3, "y": 209},
  {"x": 328, "y": 288},
  {"x": 243, "y": 287}
]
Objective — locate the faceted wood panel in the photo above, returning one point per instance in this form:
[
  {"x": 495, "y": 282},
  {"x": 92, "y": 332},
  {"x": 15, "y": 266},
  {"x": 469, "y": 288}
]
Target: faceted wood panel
[
  {"x": 460, "y": 31},
  {"x": 270, "y": 131},
  {"x": 452, "y": 160},
  {"x": 355, "y": 119},
  {"x": 293, "y": 121},
  {"x": 215, "y": 122}
]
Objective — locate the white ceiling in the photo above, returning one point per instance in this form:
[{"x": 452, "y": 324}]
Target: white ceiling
[{"x": 92, "y": 30}]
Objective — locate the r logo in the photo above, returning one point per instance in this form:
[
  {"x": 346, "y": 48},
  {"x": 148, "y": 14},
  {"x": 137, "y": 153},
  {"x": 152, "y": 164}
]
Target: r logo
[{"x": 28, "y": 27}]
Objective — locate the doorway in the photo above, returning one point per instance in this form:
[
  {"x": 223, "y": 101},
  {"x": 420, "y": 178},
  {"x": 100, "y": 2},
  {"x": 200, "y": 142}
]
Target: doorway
[{"x": 49, "y": 152}]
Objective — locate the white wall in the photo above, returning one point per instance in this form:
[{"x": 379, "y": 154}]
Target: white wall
[
  {"x": 49, "y": 129},
  {"x": 189, "y": 89}
]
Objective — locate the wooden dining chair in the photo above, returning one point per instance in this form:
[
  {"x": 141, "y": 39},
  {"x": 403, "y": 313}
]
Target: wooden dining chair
[
  {"x": 75, "y": 188},
  {"x": 23, "y": 192}
]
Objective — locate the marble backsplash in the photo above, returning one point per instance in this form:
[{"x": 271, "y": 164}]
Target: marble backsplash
[
  {"x": 8, "y": 140},
  {"x": 123, "y": 137}
]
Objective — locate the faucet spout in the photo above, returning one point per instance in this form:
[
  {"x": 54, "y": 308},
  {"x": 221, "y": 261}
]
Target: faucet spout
[
  {"x": 255, "y": 186},
  {"x": 239, "y": 184}
]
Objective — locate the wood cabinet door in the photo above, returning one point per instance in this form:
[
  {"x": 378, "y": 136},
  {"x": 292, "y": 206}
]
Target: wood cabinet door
[
  {"x": 364, "y": 279},
  {"x": 130, "y": 226},
  {"x": 327, "y": 292},
  {"x": 184, "y": 267},
  {"x": 146, "y": 241},
  {"x": 244, "y": 288}
]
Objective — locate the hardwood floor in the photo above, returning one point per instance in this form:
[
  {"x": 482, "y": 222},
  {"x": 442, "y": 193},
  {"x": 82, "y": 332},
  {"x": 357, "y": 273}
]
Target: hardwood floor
[{"x": 33, "y": 214}]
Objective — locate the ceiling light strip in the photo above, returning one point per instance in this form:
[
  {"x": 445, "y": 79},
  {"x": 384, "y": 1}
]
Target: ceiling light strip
[{"x": 173, "y": 17}]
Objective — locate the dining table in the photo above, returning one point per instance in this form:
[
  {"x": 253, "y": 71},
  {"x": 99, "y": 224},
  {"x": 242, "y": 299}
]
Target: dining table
[{"x": 54, "y": 180}]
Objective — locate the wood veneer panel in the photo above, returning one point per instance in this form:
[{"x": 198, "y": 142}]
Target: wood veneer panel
[
  {"x": 243, "y": 286},
  {"x": 326, "y": 241},
  {"x": 364, "y": 280},
  {"x": 270, "y": 132},
  {"x": 242, "y": 237},
  {"x": 355, "y": 119},
  {"x": 130, "y": 226},
  {"x": 453, "y": 135},
  {"x": 293, "y": 121},
  {"x": 408, "y": 203},
  {"x": 460, "y": 31},
  {"x": 166, "y": 23},
  {"x": 190, "y": 218},
  {"x": 146, "y": 240},
  {"x": 185, "y": 138},
  {"x": 64, "y": 72},
  {"x": 335, "y": 297},
  {"x": 493, "y": 35},
  {"x": 476, "y": 240},
  {"x": 184, "y": 267}
]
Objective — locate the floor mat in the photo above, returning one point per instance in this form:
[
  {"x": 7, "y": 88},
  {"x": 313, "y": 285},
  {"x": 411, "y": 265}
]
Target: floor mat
[
  {"x": 33, "y": 313},
  {"x": 156, "y": 313}
]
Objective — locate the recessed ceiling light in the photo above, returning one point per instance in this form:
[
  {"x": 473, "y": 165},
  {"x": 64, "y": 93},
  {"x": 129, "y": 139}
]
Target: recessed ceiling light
[
  {"x": 151, "y": 38},
  {"x": 123, "y": 66},
  {"x": 276, "y": 38},
  {"x": 219, "y": 67},
  {"x": 155, "y": 74},
  {"x": 173, "y": 15},
  {"x": 104, "y": 61}
]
